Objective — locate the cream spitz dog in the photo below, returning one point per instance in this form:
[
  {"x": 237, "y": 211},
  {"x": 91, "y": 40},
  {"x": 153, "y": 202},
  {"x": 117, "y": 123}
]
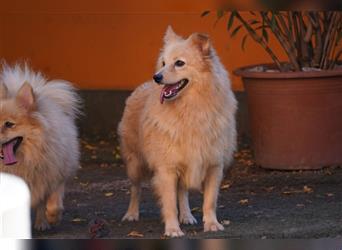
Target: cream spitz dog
[{"x": 181, "y": 129}]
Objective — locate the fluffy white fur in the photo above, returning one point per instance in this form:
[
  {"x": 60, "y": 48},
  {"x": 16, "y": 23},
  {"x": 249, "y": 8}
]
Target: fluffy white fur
[{"x": 49, "y": 153}]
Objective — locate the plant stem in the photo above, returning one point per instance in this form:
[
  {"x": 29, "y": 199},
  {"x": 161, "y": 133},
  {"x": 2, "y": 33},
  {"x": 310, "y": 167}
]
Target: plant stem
[
  {"x": 318, "y": 39},
  {"x": 259, "y": 40},
  {"x": 304, "y": 46},
  {"x": 329, "y": 39},
  {"x": 296, "y": 34},
  {"x": 283, "y": 41},
  {"x": 288, "y": 31},
  {"x": 334, "y": 42}
]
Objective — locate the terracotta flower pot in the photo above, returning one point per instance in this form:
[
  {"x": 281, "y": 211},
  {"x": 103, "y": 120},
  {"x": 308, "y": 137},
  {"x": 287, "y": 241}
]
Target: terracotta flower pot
[{"x": 295, "y": 117}]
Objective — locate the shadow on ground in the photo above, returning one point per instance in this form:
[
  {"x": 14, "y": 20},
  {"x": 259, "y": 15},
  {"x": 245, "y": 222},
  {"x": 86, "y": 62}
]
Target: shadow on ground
[{"x": 253, "y": 203}]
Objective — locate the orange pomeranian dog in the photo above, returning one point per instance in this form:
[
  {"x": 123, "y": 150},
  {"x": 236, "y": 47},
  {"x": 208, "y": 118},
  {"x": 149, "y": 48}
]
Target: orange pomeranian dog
[
  {"x": 38, "y": 137},
  {"x": 180, "y": 128}
]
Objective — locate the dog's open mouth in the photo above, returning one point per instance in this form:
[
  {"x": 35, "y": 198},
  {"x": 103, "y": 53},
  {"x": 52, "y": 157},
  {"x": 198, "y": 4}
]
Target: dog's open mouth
[
  {"x": 9, "y": 149},
  {"x": 171, "y": 90}
]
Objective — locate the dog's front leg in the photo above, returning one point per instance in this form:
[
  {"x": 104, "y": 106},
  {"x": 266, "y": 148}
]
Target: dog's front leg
[
  {"x": 41, "y": 223},
  {"x": 54, "y": 206},
  {"x": 185, "y": 215},
  {"x": 165, "y": 183},
  {"x": 211, "y": 190}
]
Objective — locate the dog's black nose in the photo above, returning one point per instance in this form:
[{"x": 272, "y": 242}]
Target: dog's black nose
[{"x": 158, "y": 78}]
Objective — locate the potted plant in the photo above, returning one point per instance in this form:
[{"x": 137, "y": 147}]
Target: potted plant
[{"x": 295, "y": 107}]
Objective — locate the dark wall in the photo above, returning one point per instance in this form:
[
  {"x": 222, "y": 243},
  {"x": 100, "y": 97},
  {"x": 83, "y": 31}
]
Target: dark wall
[{"x": 103, "y": 110}]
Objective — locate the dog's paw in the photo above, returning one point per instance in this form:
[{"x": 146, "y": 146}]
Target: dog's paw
[
  {"x": 187, "y": 219},
  {"x": 173, "y": 232},
  {"x": 213, "y": 226},
  {"x": 130, "y": 217},
  {"x": 55, "y": 217},
  {"x": 41, "y": 225}
]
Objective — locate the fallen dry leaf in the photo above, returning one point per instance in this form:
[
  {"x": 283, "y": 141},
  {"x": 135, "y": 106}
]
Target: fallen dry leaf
[
  {"x": 89, "y": 147},
  {"x": 104, "y": 165},
  {"x": 226, "y": 222},
  {"x": 193, "y": 232},
  {"x": 307, "y": 189},
  {"x": 98, "y": 228},
  {"x": 249, "y": 163},
  {"x": 109, "y": 194},
  {"x": 135, "y": 234},
  {"x": 268, "y": 189},
  {"x": 225, "y": 186},
  {"x": 328, "y": 172},
  {"x": 102, "y": 142},
  {"x": 78, "y": 220},
  {"x": 243, "y": 201},
  {"x": 196, "y": 209}
]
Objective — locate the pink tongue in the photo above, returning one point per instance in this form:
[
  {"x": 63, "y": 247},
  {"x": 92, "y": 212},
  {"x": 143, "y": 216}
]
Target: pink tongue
[
  {"x": 162, "y": 96},
  {"x": 165, "y": 89},
  {"x": 8, "y": 151}
]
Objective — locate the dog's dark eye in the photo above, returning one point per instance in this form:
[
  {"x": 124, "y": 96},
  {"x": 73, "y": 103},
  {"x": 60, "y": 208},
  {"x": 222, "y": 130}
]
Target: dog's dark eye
[
  {"x": 163, "y": 63},
  {"x": 179, "y": 63},
  {"x": 9, "y": 124}
]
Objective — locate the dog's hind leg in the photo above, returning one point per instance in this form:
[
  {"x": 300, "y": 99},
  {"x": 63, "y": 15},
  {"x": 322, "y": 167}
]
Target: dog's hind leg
[
  {"x": 165, "y": 184},
  {"x": 211, "y": 189},
  {"x": 185, "y": 216},
  {"x": 132, "y": 213},
  {"x": 54, "y": 206},
  {"x": 134, "y": 172}
]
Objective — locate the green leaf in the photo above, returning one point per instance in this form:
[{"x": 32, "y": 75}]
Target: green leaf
[
  {"x": 339, "y": 37},
  {"x": 244, "y": 39},
  {"x": 205, "y": 13},
  {"x": 273, "y": 22},
  {"x": 235, "y": 31},
  {"x": 220, "y": 13},
  {"x": 264, "y": 34},
  {"x": 253, "y": 21},
  {"x": 231, "y": 20},
  {"x": 262, "y": 27}
]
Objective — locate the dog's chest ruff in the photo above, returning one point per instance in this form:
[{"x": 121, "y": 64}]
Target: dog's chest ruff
[{"x": 190, "y": 143}]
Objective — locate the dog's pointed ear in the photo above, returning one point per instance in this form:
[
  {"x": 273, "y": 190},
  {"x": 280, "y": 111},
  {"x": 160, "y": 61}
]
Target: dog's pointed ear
[
  {"x": 170, "y": 35},
  {"x": 3, "y": 91},
  {"x": 25, "y": 97},
  {"x": 202, "y": 42}
]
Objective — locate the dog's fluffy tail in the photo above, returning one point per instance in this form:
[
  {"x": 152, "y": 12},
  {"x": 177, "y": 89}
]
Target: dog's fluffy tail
[
  {"x": 59, "y": 91},
  {"x": 63, "y": 93}
]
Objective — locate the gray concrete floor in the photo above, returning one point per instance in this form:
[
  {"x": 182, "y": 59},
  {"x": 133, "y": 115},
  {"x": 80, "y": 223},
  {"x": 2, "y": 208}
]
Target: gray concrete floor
[{"x": 254, "y": 203}]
